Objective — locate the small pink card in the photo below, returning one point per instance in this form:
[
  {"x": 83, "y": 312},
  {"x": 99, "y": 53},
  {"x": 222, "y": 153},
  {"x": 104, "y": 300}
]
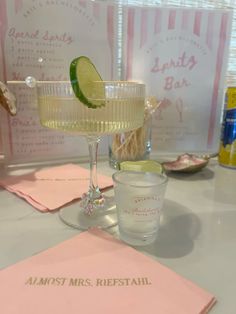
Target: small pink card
[
  {"x": 50, "y": 188},
  {"x": 95, "y": 273}
]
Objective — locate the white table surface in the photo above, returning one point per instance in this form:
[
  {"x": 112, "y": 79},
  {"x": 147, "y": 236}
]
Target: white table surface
[{"x": 197, "y": 238}]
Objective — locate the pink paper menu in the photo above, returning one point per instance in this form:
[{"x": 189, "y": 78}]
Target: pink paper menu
[
  {"x": 181, "y": 55},
  {"x": 95, "y": 273},
  {"x": 34, "y": 43}
]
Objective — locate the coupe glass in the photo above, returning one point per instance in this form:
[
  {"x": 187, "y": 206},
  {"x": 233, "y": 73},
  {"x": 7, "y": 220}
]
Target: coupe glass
[{"x": 123, "y": 110}]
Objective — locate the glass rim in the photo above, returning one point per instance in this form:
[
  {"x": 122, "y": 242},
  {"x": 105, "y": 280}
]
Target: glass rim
[
  {"x": 126, "y": 183},
  {"x": 106, "y": 82},
  {"x": 68, "y": 83}
]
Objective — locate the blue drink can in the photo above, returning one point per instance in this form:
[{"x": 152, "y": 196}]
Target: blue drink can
[{"x": 227, "y": 153}]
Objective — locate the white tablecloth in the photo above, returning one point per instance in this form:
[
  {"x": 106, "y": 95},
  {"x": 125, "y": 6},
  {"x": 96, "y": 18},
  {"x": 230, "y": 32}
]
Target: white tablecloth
[{"x": 197, "y": 238}]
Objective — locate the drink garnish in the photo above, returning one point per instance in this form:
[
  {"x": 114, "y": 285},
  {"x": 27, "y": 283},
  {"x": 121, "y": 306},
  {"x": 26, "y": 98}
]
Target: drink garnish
[
  {"x": 142, "y": 165},
  {"x": 87, "y": 83}
]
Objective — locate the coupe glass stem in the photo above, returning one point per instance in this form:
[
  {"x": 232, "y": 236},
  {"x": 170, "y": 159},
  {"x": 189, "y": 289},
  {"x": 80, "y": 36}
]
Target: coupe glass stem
[
  {"x": 94, "y": 198},
  {"x": 93, "y": 142}
]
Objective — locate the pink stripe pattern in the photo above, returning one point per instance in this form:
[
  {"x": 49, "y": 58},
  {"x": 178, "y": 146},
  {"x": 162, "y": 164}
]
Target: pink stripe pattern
[
  {"x": 83, "y": 3},
  {"x": 18, "y": 5},
  {"x": 157, "y": 21},
  {"x": 197, "y": 23},
  {"x": 130, "y": 39},
  {"x": 172, "y": 17},
  {"x": 96, "y": 10},
  {"x": 3, "y": 30},
  {"x": 219, "y": 63},
  {"x": 210, "y": 27},
  {"x": 185, "y": 20},
  {"x": 143, "y": 37},
  {"x": 110, "y": 34}
]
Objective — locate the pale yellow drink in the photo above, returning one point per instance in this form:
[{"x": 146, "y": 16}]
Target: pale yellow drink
[
  {"x": 69, "y": 115},
  {"x": 123, "y": 109}
]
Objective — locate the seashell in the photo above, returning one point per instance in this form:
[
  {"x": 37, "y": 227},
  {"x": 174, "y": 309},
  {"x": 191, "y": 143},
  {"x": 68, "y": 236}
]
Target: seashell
[
  {"x": 7, "y": 99},
  {"x": 187, "y": 163}
]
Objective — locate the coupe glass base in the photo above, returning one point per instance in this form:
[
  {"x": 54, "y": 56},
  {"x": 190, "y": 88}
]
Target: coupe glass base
[{"x": 103, "y": 217}]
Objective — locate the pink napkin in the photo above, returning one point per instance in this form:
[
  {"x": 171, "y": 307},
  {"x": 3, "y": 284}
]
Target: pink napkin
[
  {"x": 94, "y": 273},
  {"x": 49, "y": 189}
]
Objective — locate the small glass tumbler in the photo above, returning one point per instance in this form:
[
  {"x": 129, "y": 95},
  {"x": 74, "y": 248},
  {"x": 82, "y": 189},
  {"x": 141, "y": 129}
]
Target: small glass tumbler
[
  {"x": 131, "y": 145},
  {"x": 139, "y": 199}
]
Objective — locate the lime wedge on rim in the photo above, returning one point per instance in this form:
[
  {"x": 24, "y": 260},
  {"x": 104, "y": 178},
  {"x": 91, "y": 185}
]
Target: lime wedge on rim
[
  {"x": 142, "y": 165},
  {"x": 87, "y": 83}
]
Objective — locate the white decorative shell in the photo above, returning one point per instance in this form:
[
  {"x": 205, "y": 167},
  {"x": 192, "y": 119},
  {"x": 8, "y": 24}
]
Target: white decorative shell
[
  {"x": 186, "y": 163},
  {"x": 7, "y": 99}
]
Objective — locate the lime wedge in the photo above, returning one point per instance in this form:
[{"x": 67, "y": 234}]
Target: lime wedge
[
  {"x": 142, "y": 165},
  {"x": 87, "y": 83}
]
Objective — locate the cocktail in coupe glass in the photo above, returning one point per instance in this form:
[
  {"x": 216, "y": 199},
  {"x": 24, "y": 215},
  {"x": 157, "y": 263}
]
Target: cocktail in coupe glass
[{"x": 122, "y": 110}]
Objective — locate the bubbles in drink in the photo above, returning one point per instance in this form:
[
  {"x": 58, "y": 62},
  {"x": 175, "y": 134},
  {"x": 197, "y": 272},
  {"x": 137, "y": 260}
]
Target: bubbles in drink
[{"x": 30, "y": 81}]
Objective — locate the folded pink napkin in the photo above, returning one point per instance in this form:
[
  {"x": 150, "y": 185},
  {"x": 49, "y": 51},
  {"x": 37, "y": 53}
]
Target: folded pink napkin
[
  {"x": 94, "y": 273},
  {"x": 49, "y": 189}
]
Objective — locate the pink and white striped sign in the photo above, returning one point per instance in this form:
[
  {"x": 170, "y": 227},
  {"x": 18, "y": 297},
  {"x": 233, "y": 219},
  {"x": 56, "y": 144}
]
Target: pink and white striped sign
[
  {"x": 181, "y": 54},
  {"x": 40, "y": 38}
]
